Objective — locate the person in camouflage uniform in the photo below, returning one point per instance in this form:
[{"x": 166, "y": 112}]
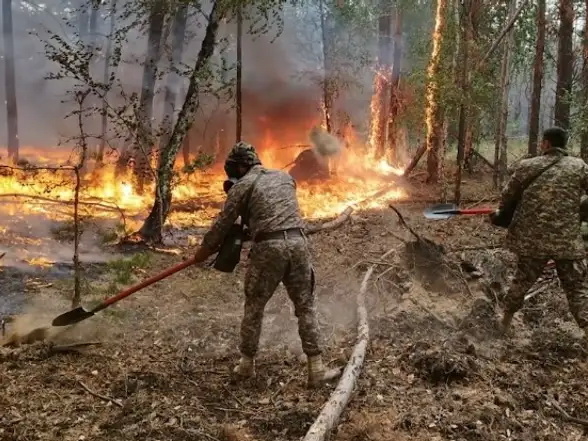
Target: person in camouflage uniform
[
  {"x": 546, "y": 225},
  {"x": 266, "y": 200}
]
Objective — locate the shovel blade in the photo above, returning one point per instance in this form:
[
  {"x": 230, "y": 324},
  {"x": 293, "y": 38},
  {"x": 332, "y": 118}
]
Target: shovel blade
[
  {"x": 72, "y": 317},
  {"x": 440, "y": 211}
]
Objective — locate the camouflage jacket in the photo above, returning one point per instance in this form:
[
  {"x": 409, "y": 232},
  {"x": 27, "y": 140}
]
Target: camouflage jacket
[
  {"x": 546, "y": 223},
  {"x": 273, "y": 206}
]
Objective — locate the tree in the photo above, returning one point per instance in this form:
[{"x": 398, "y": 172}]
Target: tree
[
  {"x": 173, "y": 79},
  {"x": 10, "y": 81},
  {"x": 535, "y": 110},
  {"x": 565, "y": 64},
  {"x": 395, "y": 96},
  {"x": 433, "y": 113},
  {"x": 144, "y": 142},
  {"x": 500, "y": 151},
  {"x": 584, "y": 126},
  {"x": 152, "y": 228},
  {"x": 328, "y": 91},
  {"x": 381, "y": 80},
  {"x": 239, "y": 95}
]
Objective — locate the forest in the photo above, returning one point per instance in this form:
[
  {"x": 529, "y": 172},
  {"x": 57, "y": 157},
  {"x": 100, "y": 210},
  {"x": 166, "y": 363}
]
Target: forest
[{"x": 118, "y": 118}]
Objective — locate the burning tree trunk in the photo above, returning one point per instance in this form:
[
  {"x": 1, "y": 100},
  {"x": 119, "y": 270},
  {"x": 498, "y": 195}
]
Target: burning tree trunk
[
  {"x": 239, "y": 97},
  {"x": 381, "y": 85},
  {"x": 144, "y": 141},
  {"x": 538, "y": 78},
  {"x": 500, "y": 148},
  {"x": 584, "y": 136},
  {"x": 10, "y": 81},
  {"x": 565, "y": 64},
  {"x": 186, "y": 149},
  {"x": 151, "y": 231},
  {"x": 433, "y": 114},
  {"x": 173, "y": 80},
  {"x": 105, "y": 80},
  {"x": 395, "y": 97}
]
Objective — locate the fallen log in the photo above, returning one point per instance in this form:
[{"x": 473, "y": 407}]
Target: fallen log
[
  {"x": 331, "y": 225},
  {"x": 331, "y": 412}
]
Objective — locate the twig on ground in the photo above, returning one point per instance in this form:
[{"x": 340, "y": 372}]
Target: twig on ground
[
  {"x": 431, "y": 313},
  {"x": 566, "y": 416},
  {"x": 331, "y": 225},
  {"x": 97, "y": 395}
]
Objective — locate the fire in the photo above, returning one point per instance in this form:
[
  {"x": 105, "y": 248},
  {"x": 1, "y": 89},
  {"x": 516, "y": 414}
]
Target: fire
[
  {"x": 197, "y": 198},
  {"x": 378, "y": 111}
]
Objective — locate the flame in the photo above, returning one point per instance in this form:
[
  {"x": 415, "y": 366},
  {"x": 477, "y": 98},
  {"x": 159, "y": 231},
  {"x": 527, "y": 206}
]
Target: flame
[
  {"x": 378, "y": 109},
  {"x": 197, "y": 197}
]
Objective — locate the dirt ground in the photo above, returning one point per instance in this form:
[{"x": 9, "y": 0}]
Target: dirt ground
[{"x": 436, "y": 367}]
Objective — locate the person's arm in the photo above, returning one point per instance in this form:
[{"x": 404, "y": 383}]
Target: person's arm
[{"x": 216, "y": 234}]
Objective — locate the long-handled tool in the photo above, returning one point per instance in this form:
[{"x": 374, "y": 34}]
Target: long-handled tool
[
  {"x": 446, "y": 211},
  {"x": 79, "y": 314}
]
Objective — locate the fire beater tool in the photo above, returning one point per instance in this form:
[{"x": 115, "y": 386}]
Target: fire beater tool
[
  {"x": 446, "y": 211},
  {"x": 78, "y": 314}
]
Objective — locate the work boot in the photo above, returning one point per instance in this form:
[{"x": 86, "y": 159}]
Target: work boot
[
  {"x": 506, "y": 321},
  {"x": 317, "y": 374},
  {"x": 245, "y": 368}
]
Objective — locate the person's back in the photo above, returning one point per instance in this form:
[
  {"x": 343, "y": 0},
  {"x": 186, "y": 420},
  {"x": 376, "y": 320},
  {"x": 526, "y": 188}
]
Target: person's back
[
  {"x": 547, "y": 220},
  {"x": 273, "y": 205}
]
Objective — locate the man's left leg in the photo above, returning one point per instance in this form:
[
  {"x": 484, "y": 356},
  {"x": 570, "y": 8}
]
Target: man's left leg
[{"x": 572, "y": 274}]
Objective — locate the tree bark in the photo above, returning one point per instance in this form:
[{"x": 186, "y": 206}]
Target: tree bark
[
  {"x": 105, "y": 80},
  {"x": 466, "y": 36},
  {"x": 327, "y": 80},
  {"x": 535, "y": 110},
  {"x": 584, "y": 133},
  {"x": 433, "y": 113},
  {"x": 10, "y": 81},
  {"x": 173, "y": 79},
  {"x": 239, "y": 107},
  {"x": 381, "y": 83},
  {"x": 144, "y": 141},
  {"x": 152, "y": 229},
  {"x": 500, "y": 145},
  {"x": 395, "y": 95},
  {"x": 565, "y": 64}
]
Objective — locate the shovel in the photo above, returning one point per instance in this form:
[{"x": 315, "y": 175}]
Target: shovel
[
  {"x": 446, "y": 211},
  {"x": 77, "y": 315}
]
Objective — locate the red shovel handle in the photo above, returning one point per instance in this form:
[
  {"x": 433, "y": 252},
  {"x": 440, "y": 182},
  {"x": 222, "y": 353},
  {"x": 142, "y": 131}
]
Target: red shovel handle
[
  {"x": 478, "y": 211},
  {"x": 150, "y": 281}
]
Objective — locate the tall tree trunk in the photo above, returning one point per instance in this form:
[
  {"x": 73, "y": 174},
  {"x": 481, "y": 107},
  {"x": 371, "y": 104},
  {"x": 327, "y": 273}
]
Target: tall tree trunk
[
  {"x": 381, "y": 83},
  {"x": 584, "y": 136},
  {"x": 151, "y": 231},
  {"x": 565, "y": 64},
  {"x": 466, "y": 37},
  {"x": 173, "y": 79},
  {"x": 144, "y": 141},
  {"x": 535, "y": 110},
  {"x": 327, "y": 103},
  {"x": 10, "y": 81},
  {"x": 433, "y": 113},
  {"x": 395, "y": 96},
  {"x": 239, "y": 108},
  {"x": 105, "y": 80},
  {"x": 500, "y": 147}
]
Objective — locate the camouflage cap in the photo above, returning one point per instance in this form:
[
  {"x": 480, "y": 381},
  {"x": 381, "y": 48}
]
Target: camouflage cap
[{"x": 243, "y": 153}]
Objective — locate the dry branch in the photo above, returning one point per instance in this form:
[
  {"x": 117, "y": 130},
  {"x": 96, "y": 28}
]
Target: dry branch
[
  {"x": 566, "y": 416},
  {"x": 331, "y": 412},
  {"x": 97, "y": 395},
  {"x": 331, "y": 225}
]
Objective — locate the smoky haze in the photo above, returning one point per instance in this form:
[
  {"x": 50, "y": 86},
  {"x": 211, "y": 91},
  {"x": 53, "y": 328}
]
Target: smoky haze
[{"x": 281, "y": 79}]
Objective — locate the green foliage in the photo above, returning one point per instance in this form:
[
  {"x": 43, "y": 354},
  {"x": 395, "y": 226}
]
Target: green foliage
[{"x": 123, "y": 268}]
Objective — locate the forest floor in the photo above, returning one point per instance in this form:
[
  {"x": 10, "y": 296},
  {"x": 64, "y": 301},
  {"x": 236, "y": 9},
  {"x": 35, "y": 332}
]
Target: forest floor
[{"x": 436, "y": 367}]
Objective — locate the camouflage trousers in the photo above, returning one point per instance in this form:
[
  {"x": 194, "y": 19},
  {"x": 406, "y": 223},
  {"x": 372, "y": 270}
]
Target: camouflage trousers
[
  {"x": 272, "y": 262},
  {"x": 571, "y": 273}
]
